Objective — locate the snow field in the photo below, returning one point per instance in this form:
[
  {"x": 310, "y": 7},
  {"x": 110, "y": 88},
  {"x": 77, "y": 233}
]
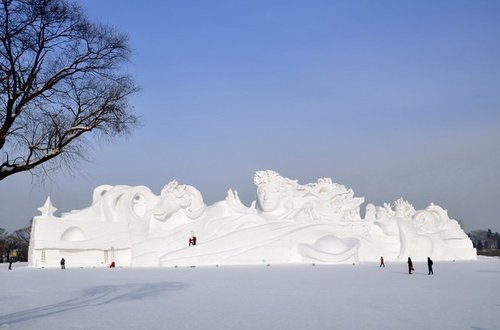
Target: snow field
[{"x": 461, "y": 295}]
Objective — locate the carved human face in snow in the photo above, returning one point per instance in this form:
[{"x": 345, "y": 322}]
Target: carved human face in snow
[{"x": 269, "y": 196}]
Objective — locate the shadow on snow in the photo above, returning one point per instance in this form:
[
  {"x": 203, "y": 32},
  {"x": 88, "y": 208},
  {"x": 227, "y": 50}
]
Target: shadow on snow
[{"x": 95, "y": 296}]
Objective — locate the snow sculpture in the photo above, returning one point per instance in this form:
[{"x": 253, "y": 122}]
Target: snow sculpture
[
  {"x": 47, "y": 209},
  {"x": 175, "y": 198},
  {"x": 288, "y": 223},
  {"x": 423, "y": 233},
  {"x": 282, "y": 198}
]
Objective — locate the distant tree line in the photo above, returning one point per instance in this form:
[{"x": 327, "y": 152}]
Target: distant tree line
[
  {"x": 485, "y": 240},
  {"x": 14, "y": 245}
]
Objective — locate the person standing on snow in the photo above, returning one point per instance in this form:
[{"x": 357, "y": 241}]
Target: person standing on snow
[
  {"x": 429, "y": 265},
  {"x": 63, "y": 263},
  {"x": 410, "y": 265},
  {"x": 382, "y": 262}
]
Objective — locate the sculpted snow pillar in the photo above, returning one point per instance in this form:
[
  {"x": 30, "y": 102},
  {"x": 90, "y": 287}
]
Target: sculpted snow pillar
[{"x": 47, "y": 210}]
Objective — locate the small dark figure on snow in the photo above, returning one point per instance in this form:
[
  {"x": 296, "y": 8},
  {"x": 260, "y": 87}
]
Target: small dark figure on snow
[
  {"x": 429, "y": 265},
  {"x": 10, "y": 263},
  {"x": 382, "y": 262},
  {"x": 63, "y": 263},
  {"x": 112, "y": 265},
  {"x": 190, "y": 241},
  {"x": 194, "y": 240},
  {"x": 410, "y": 265}
]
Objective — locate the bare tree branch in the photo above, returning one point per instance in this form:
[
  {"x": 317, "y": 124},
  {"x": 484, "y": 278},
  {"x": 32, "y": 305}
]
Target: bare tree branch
[{"x": 60, "y": 81}]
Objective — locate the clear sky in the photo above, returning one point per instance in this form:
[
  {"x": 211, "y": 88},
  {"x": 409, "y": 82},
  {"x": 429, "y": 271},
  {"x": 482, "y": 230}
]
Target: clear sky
[{"x": 389, "y": 98}]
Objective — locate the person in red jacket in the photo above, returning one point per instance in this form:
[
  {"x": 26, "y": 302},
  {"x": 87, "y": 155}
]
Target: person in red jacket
[{"x": 112, "y": 265}]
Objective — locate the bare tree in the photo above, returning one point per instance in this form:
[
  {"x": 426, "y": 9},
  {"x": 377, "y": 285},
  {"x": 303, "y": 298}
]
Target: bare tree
[
  {"x": 21, "y": 241},
  {"x": 17, "y": 241},
  {"x": 6, "y": 245},
  {"x": 61, "y": 82}
]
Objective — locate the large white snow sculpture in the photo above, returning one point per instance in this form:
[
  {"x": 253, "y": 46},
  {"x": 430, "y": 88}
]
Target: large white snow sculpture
[
  {"x": 289, "y": 223},
  {"x": 282, "y": 198}
]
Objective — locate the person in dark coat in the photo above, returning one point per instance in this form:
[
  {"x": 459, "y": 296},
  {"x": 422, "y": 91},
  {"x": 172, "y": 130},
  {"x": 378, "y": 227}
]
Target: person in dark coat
[
  {"x": 194, "y": 240},
  {"x": 429, "y": 265},
  {"x": 63, "y": 263},
  {"x": 410, "y": 265},
  {"x": 10, "y": 263},
  {"x": 382, "y": 262}
]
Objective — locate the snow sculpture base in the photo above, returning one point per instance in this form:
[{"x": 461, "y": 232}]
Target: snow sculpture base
[{"x": 289, "y": 223}]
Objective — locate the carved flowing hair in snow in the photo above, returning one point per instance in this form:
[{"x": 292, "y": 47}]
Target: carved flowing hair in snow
[
  {"x": 272, "y": 177},
  {"x": 403, "y": 208},
  {"x": 263, "y": 177},
  {"x": 324, "y": 196},
  {"x": 325, "y": 189}
]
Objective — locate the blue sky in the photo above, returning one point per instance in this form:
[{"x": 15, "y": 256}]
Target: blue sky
[{"x": 390, "y": 98}]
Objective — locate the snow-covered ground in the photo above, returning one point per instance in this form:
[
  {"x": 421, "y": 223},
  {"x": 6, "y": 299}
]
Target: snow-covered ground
[{"x": 461, "y": 295}]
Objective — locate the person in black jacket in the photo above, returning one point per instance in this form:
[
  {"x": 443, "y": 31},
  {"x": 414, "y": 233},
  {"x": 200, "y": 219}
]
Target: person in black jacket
[
  {"x": 63, "y": 263},
  {"x": 410, "y": 265},
  {"x": 429, "y": 265},
  {"x": 382, "y": 262}
]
